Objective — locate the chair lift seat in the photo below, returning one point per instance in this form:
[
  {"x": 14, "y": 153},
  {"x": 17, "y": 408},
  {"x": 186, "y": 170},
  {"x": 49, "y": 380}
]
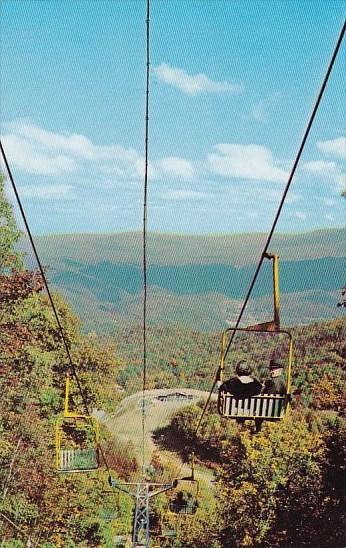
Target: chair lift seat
[
  {"x": 168, "y": 533},
  {"x": 270, "y": 407},
  {"x": 187, "y": 508},
  {"x": 264, "y": 406}
]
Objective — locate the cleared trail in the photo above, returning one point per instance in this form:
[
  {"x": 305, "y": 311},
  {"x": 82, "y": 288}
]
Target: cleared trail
[{"x": 160, "y": 405}]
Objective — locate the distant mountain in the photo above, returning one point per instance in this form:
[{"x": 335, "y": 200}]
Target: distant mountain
[
  {"x": 175, "y": 249},
  {"x": 198, "y": 281}
]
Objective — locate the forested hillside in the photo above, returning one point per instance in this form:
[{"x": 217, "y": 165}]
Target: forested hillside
[
  {"x": 38, "y": 505},
  {"x": 194, "y": 281},
  {"x": 281, "y": 487},
  {"x": 177, "y": 356}
]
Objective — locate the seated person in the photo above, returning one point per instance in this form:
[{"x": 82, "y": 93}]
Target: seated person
[
  {"x": 276, "y": 383},
  {"x": 180, "y": 499},
  {"x": 185, "y": 500},
  {"x": 243, "y": 385}
]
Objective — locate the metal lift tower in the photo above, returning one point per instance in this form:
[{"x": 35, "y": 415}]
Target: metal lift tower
[{"x": 142, "y": 492}]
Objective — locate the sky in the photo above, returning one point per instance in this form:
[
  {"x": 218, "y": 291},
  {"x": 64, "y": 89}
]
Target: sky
[{"x": 232, "y": 86}]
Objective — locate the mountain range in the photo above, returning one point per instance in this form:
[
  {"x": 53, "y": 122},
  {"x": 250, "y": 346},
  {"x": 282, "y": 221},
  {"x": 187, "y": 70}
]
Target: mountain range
[{"x": 197, "y": 281}]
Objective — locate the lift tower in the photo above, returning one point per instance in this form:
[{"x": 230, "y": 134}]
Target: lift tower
[{"x": 142, "y": 492}]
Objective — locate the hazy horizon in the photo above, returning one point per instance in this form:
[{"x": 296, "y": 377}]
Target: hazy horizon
[{"x": 187, "y": 234}]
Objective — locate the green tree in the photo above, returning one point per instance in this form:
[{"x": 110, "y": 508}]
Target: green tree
[
  {"x": 261, "y": 489},
  {"x": 343, "y": 290},
  {"x": 35, "y": 501},
  {"x": 9, "y": 234}
]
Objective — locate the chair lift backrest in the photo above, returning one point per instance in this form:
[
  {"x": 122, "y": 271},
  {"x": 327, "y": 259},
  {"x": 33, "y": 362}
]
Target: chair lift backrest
[
  {"x": 263, "y": 406},
  {"x": 183, "y": 507}
]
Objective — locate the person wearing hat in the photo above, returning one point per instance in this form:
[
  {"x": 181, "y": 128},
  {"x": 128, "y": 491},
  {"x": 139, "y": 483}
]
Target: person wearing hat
[
  {"x": 276, "y": 383},
  {"x": 243, "y": 385}
]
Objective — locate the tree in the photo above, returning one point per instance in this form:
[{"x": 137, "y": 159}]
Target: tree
[
  {"x": 343, "y": 289},
  {"x": 10, "y": 258},
  {"x": 35, "y": 502},
  {"x": 261, "y": 493}
]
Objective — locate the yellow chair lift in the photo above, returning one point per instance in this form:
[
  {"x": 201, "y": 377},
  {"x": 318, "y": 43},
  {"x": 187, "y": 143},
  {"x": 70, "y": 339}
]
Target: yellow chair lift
[
  {"x": 269, "y": 407},
  {"x": 186, "y": 502},
  {"x": 76, "y": 440}
]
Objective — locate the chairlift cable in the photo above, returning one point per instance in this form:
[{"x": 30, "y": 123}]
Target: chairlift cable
[
  {"x": 49, "y": 294},
  {"x": 290, "y": 178},
  {"x": 145, "y": 222},
  {"x": 278, "y": 212}
]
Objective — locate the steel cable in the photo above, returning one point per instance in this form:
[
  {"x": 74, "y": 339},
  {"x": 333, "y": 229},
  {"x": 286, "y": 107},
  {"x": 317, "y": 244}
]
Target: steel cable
[
  {"x": 145, "y": 222},
  {"x": 278, "y": 212},
  {"x": 49, "y": 294}
]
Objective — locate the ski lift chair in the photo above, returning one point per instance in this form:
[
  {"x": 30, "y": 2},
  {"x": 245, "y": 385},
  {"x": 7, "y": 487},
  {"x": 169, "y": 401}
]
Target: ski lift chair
[
  {"x": 268, "y": 407},
  {"x": 76, "y": 440},
  {"x": 188, "y": 504}
]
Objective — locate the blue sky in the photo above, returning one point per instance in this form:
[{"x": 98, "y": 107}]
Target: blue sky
[{"x": 232, "y": 86}]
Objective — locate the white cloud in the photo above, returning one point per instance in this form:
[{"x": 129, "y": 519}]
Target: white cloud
[
  {"x": 177, "y": 167},
  {"x": 341, "y": 179},
  {"x": 35, "y": 150},
  {"x": 260, "y": 111},
  {"x": 325, "y": 169},
  {"x": 246, "y": 162},
  {"x": 185, "y": 195},
  {"x": 272, "y": 195},
  {"x": 329, "y": 202},
  {"x": 299, "y": 215},
  {"x": 329, "y": 217},
  {"x": 320, "y": 167},
  {"x": 25, "y": 156},
  {"x": 46, "y": 192},
  {"x": 193, "y": 84},
  {"x": 292, "y": 197},
  {"x": 333, "y": 147}
]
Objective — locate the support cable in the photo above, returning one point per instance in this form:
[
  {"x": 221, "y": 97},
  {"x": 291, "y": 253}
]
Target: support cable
[
  {"x": 290, "y": 178},
  {"x": 49, "y": 294},
  {"x": 145, "y": 222},
  {"x": 277, "y": 215}
]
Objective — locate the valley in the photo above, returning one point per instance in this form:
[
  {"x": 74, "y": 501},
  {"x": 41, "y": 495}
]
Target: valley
[{"x": 194, "y": 281}]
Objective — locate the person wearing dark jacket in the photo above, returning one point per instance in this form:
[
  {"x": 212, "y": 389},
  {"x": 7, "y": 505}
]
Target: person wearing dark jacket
[
  {"x": 276, "y": 383},
  {"x": 243, "y": 385}
]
